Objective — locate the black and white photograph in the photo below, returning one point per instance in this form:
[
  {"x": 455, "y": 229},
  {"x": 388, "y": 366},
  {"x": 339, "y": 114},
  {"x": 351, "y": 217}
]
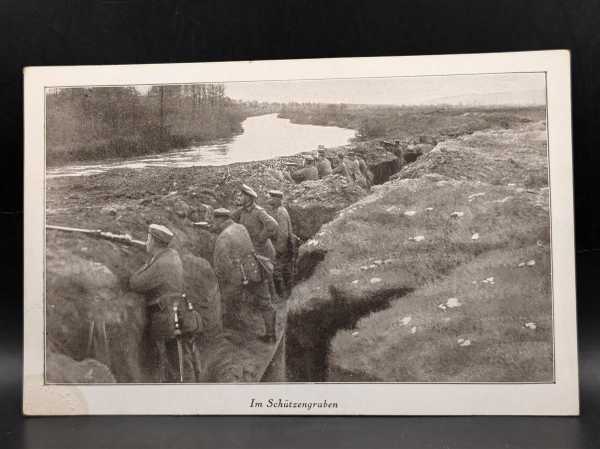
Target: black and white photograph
[
  {"x": 330, "y": 230},
  {"x": 380, "y": 230}
]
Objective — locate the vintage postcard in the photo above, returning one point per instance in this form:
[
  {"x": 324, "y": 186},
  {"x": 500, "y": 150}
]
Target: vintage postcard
[{"x": 363, "y": 236}]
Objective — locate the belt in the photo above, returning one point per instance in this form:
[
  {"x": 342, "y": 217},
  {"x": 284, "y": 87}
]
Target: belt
[
  {"x": 157, "y": 304},
  {"x": 154, "y": 308}
]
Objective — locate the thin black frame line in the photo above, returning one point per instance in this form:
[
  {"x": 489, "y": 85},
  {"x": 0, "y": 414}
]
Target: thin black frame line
[
  {"x": 294, "y": 79},
  {"x": 233, "y": 384},
  {"x": 322, "y": 383},
  {"x": 550, "y": 219}
]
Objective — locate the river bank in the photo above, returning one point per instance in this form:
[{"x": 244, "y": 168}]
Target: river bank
[
  {"x": 264, "y": 137},
  {"x": 87, "y": 278},
  {"x": 124, "y": 122}
]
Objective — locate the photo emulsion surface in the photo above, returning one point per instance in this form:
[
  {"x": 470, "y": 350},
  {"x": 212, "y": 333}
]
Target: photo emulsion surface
[{"x": 392, "y": 229}]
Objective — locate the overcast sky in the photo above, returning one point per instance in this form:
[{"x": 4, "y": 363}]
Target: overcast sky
[{"x": 518, "y": 88}]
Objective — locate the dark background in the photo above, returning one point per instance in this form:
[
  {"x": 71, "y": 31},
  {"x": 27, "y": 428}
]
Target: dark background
[{"x": 76, "y": 32}]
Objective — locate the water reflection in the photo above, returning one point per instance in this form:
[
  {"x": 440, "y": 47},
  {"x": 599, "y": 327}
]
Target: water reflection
[{"x": 264, "y": 137}]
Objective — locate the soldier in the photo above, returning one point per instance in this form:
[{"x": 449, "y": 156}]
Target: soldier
[
  {"x": 323, "y": 164},
  {"x": 284, "y": 245},
  {"x": 343, "y": 168},
  {"x": 260, "y": 225},
  {"x": 307, "y": 173},
  {"x": 160, "y": 280},
  {"x": 354, "y": 168},
  {"x": 364, "y": 169},
  {"x": 233, "y": 263}
]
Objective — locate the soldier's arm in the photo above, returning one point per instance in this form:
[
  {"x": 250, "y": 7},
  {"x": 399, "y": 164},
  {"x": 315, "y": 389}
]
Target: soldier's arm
[
  {"x": 146, "y": 278},
  {"x": 270, "y": 226},
  {"x": 236, "y": 214},
  {"x": 339, "y": 169}
]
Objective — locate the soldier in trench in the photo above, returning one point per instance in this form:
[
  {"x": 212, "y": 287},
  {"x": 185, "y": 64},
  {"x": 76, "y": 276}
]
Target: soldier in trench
[
  {"x": 160, "y": 280},
  {"x": 284, "y": 245},
  {"x": 307, "y": 173},
  {"x": 241, "y": 277},
  {"x": 344, "y": 167},
  {"x": 323, "y": 164},
  {"x": 257, "y": 221},
  {"x": 355, "y": 171},
  {"x": 364, "y": 169}
]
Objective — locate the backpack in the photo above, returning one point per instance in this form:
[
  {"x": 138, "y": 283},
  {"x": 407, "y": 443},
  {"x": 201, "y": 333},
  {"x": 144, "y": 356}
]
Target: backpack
[{"x": 251, "y": 269}]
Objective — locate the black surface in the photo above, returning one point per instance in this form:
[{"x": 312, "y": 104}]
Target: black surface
[{"x": 63, "y": 32}]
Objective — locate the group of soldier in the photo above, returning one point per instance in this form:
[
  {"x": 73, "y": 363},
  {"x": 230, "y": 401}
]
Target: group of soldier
[
  {"x": 350, "y": 165},
  {"x": 253, "y": 261}
]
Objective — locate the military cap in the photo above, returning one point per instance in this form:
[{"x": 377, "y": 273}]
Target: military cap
[
  {"x": 276, "y": 193},
  {"x": 321, "y": 150},
  {"x": 222, "y": 212},
  {"x": 308, "y": 157},
  {"x": 321, "y": 147},
  {"x": 160, "y": 232},
  {"x": 249, "y": 191}
]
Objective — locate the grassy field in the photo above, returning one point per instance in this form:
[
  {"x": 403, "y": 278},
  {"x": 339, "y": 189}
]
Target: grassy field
[
  {"x": 403, "y": 122},
  {"x": 472, "y": 209}
]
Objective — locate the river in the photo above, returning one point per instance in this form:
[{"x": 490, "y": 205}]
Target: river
[{"x": 264, "y": 137}]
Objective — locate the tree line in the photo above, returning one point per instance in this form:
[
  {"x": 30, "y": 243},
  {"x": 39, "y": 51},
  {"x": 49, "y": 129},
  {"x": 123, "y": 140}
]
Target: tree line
[{"x": 95, "y": 123}]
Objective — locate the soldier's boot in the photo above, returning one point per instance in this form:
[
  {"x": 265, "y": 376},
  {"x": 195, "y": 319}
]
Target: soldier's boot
[
  {"x": 288, "y": 282},
  {"x": 270, "y": 318}
]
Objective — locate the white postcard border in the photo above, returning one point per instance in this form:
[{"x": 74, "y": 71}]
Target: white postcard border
[{"x": 559, "y": 398}]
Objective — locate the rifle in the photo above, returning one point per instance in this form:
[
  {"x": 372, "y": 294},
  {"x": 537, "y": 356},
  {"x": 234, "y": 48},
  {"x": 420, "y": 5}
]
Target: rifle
[
  {"x": 124, "y": 239},
  {"x": 178, "y": 337}
]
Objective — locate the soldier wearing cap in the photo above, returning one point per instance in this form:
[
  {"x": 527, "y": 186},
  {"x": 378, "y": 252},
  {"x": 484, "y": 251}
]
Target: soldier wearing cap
[
  {"x": 351, "y": 169},
  {"x": 323, "y": 164},
  {"x": 364, "y": 169},
  {"x": 233, "y": 247},
  {"x": 160, "y": 280},
  {"x": 344, "y": 167},
  {"x": 284, "y": 245},
  {"x": 260, "y": 225},
  {"x": 307, "y": 173}
]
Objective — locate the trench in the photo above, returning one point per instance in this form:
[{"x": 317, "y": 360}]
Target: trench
[
  {"x": 309, "y": 334},
  {"x": 383, "y": 171}
]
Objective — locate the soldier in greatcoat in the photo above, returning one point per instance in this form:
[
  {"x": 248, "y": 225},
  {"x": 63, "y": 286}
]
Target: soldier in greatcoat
[
  {"x": 284, "y": 245},
  {"x": 232, "y": 261},
  {"x": 260, "y": 225},
  {"x": 160, "y": 280},
  {"x": 323, "y": 164}
]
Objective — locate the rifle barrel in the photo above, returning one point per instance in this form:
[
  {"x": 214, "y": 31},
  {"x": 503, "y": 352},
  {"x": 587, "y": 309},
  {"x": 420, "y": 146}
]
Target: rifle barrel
[
  {"x": 119, "y": 238},
  {"x": 68, "y": 229}
]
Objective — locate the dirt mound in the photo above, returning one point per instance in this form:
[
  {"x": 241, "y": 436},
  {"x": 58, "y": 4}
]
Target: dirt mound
[
  {"x": 63, "y": 369},
  {"x": 92, "y": 313},
  {"x": 493, "y": 156},
  {"x": 311, "y": 204}
]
